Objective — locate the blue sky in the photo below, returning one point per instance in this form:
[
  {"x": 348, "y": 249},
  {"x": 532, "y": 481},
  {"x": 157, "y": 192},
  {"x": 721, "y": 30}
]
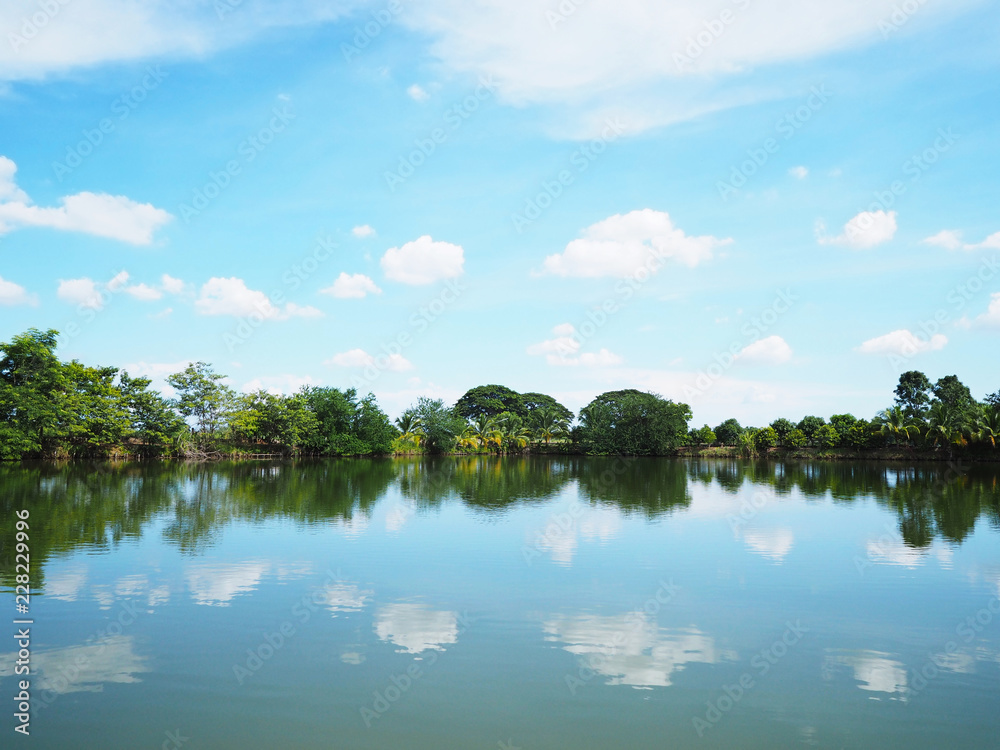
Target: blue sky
[{"x": 759, "y": 210}]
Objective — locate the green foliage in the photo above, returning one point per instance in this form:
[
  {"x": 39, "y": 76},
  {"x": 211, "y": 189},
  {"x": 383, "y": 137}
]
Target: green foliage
[
  {"x": 952, "y": 392},
  {"x": 796, "y": 439},
  {"x": 203, "y": 397},
  {"x": 488, "y": 401},
  {"x": 859, "y": 436},
  {"x": 441, "y": 425},
  {"x": 702, "y": 436},
  {"x": 728, "y": 433},
  {"x": 33, "y": 395},
  {"x": 826, "y": 436},
  {"x": 843, "y": 423},
  {"x": 538, "y": 404},
  {"x": 913, "y": 393},
  {"x": 782, "y": 427},
  {"x": 631, "y": 422},
  {"x": 809, "y": 426},
  {"x": 765, "y": 438}
]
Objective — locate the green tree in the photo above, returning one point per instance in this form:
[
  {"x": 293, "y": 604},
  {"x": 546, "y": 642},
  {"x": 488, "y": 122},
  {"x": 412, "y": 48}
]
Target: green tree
[
  {"x": 203, "y": 396},
  {"x": 843, "y": 423},
  {"x": 549, "y": 423},
  {"x": 702, "y": 436},
  {"x": 764, "y": 438},
  {"x": 895, "y": 424},
  {"x": 97, "y": 420},
  {"x": 783, "y": 427},
  {"x": 859, "y": 436},
  {"x": 796, "y": 439},
  {"x": 488, "y": 400},
  {"x": 33, "y": 395},
  {"x": 826, "y": 436},
  {"x": 810, "y": 425},
  {"x": 728, "y": 433},
  {"x": 630, "y": 422},
  {"x": 538, "y": 404},
  {"x": 913, "y": 393},
  {"x": 373, "y": 428},
  {"x": 953, "y": 392},
  {"x": 442, "y": 425},
  {"x": 153, "y": 423}
]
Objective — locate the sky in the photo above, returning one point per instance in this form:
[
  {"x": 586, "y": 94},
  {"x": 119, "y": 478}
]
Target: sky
[{"x": 759, "y": 208}]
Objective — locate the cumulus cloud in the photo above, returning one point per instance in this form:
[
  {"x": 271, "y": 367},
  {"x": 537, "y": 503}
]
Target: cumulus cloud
[
  {"x": 951, "y": 239},
  {"x": 14, "y": 294},
  {"x": 279, "y": 385},
  {"x": 423, "y": 261},
  {"x": 354, "y": 286},
  {"x": 867, "y": 229},
  {"x": 622, "y": 244},
  {"x": 99, "y": 214},
  {"x": 171, "y": 285},
  {"x": 903, "y": 343},
  {"x": 991, "y": 317},
  {"x": 143, "y": 292},
  {"x": 363, "y": 230},
  {"x": 231, "y": 296},
  {"x": 799, "y": 172},
  {"x": 772, "y": 350},
  {"x": 361, "y": 358},
  {"x": 564, "y": 350}
]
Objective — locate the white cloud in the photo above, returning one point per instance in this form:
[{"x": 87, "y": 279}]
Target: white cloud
[
  {"x": 216, "y": 584},
  {"x": 345, "y": 597},
  {"x": 416, "y": 628},
  {"x": 991, "y": 317},
  {"x": 86, "y": 668},
  {"x": 15, "y": 294},
  {"x": 363, "y": 230},
  {"x": 231, "y": 296},
  {"x": 171, "y": 285},
  {"x": 423, "y": 261},
  {"x": 354, "y": 286},
  {"x": 903, "y": 343},
  {"x": 417, "y": 93},
  {"x": 361, "y": 358},
  {"x": 83, "y": 292},
  {"x": 143, "y": 292},
  {"x": 102, "y": 31},
  {"x": 630, "y": 649},
  {"x": 799, "y": 172},
  {"x": 951, "y": 239},
  {"x": 278, "y": 385},
  {"x": 564, "y": 350},
  {"x": 622, "y": 244},
  {"x": 100, "y": 214},
  {"x": 867, "y": 229},
  {"x": 772, "y": 350},
  {"x": 874, "y": 671}
]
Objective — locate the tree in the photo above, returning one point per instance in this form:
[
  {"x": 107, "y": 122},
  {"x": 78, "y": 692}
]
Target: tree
[
  {"x": 987, "y": 425},
  {"x": 373, "y": 428},
  {"x": 203, "y": 396},
  {"x": 859, "y": 436},
  {"x": 913, "y": 393},
  {"x": 550, "y": 423},
  {"x": 895, "y": 424},
  {"x": 97, "y": 420},
  {"x": 993, "y": 399},
  {"x": 410, "y": 428},
  {"x": 630, "y": 422},
  {"x": 728, "y": 433},
  {"x": 441, "y": 425},
  {"x": 33, "y": 395},
  {"x": 153, "y": 422},
  {"x": 826, "y": 436},
  {"x": 945, "y": 424},
  {"x": 810, "y": 425},
  {"x": 514, "y": 433},
  {"x": 796, "y": 439},
  {"x": 538, "y": 404},
  {"x": 843, "y": 423},
  {"x": 483, "y": 432},
  {"x": 702, "y": 436},
  {"x": 951, "y": 391},
  {"x": 782, "y": 427},
  {"x": 488, "y": 400},
  {"x": 764, "y": 438}
]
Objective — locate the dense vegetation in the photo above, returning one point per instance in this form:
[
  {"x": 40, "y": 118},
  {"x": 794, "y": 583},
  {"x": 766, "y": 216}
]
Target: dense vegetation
[{"x": 51, "y": 408}]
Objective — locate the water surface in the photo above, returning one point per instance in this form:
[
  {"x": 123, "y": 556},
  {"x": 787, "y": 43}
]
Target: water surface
[{"x": 530, "y": 603}]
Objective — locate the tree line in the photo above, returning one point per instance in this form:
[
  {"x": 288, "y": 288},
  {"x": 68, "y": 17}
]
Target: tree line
[{"x": 50, "y": 408}]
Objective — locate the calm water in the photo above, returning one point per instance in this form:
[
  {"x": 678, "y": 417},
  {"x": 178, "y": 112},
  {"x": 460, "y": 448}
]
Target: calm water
[{"x": 472, "y": 603}]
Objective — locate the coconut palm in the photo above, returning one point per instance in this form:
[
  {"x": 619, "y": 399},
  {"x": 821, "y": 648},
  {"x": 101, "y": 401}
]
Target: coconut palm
[
  {"x": 514, "y": 433},
  {"x": 897, "y": 425},
  {"x": 551, "y": 425},
  {"x": 483, "y": 431},
  {"x": 986, "y": 425},
  {"x": 411, "y": 428},
  {"x": 945, "y": 425}
]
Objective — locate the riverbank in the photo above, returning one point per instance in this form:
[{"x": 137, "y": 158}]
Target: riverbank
[{"x": 895, "y": 454}]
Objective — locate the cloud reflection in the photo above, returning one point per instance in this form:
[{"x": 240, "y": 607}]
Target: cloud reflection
[{"x": 416, "y": 628}]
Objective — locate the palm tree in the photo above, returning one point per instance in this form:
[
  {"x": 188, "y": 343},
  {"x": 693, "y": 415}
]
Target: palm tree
[
  {"x": 483, "y": 431},
  {"x": 515, "y": 434},
  {"x": 894, "y": 423},
  {"x": 987, "y": 425},
  {"x": 551, "y": 425},
  {"x": 411, "y": 428},
  {"x": 945, "y": 424}
]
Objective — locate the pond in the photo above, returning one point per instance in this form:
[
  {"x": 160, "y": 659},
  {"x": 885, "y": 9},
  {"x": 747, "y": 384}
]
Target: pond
[{"x": 507, "y": 603}]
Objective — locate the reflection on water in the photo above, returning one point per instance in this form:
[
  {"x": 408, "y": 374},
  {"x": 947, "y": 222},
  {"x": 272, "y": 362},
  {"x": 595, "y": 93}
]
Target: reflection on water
[{"x": 465, "y": 601}]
